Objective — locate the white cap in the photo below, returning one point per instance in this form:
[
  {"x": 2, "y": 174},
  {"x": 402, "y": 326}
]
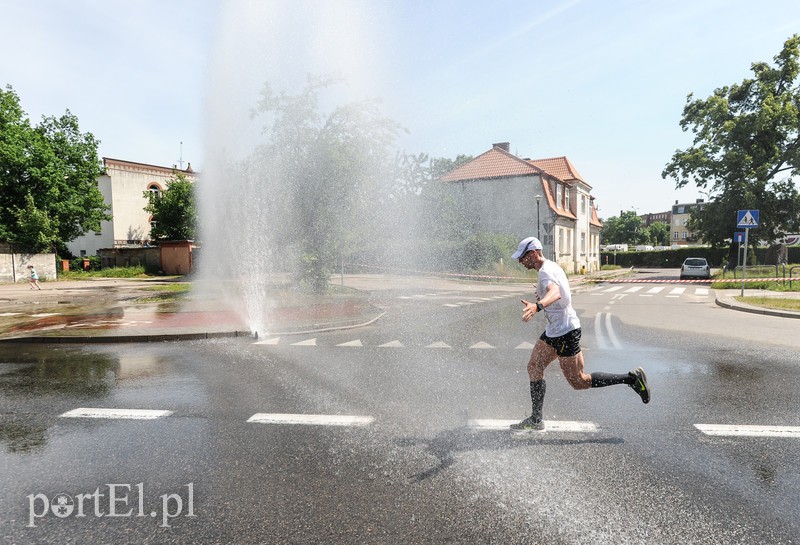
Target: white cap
[{"x": 530, "y": 243}]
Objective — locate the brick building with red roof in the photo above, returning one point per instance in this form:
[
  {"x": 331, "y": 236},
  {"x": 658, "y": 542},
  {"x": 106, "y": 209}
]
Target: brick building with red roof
[{"x": 546, "y": 198}]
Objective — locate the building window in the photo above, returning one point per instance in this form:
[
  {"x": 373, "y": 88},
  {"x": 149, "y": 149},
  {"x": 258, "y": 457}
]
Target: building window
[
  {"x": 583, "y": 243},
  {"x": 583, "y": 204},
  {"x": 559, "y": 204},
  {"x": 684, "y": 235},
  {"x": 154, "y": 188},
  {"x": 566, "y": 198},
  {"x": 675, "y": 235}
]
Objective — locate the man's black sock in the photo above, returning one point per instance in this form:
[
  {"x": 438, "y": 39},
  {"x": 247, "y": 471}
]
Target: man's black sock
[
  {"x": 538, "y": 390},
  {"x": 609, "y": 379}
]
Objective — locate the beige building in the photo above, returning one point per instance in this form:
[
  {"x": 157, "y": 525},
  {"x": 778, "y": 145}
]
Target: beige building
[
  {"x": 546, "y": 198},
  {"x": 123, "y": 185},
  {"x": 681, "y": 214}
]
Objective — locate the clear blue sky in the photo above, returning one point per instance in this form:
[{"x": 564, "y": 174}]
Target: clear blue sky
[{"x": 602, "y": 82}]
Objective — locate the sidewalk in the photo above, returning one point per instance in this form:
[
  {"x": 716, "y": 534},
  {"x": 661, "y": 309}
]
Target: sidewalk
[
  {"x": 727, "y": 299},
  {"x": 123, "y": 310}
]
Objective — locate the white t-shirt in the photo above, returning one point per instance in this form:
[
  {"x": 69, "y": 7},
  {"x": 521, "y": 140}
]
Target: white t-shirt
[{"x": 561, "y": 317}]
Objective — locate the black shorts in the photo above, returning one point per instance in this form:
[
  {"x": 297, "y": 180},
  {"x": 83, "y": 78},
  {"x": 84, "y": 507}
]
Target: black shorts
[{"x": 566, "y": 345}]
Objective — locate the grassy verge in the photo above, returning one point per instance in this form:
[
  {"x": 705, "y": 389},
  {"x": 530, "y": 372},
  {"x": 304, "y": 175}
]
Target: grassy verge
[
  {"x": 772, "y": 302},
  {"x": 165, "y": 293},
  {"x": 117, "y": 272}
]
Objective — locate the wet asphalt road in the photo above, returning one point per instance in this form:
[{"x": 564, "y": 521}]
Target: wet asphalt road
[{"x": 418, "y": 472}]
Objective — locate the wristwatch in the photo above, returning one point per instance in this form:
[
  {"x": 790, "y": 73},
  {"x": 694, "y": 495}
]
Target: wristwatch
[{"x": 539, "y": 307}]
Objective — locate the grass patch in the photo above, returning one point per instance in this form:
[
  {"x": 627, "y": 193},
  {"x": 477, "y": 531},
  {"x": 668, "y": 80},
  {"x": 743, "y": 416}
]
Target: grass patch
[
  {"x": 116, "y": 272},
  {"x": 772, "y": 302},
  {"x": 165, "y": 293}
]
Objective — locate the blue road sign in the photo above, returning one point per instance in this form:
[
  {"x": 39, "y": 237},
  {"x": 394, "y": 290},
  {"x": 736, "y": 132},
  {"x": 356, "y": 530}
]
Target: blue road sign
[
  {"x": 738, "y": 236},
  {"x": 747, "y": 218}
]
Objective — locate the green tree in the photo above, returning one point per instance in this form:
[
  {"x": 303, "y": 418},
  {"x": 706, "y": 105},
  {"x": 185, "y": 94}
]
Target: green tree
[
  {"x": 174, "y": 210},
  {"x": 658, "y": 234},
  {"x": 319, "y": 185},
  {"x": 48, "y": 178},
  {"x": 625, "y": 229},
  {"x": 746, "y": 150}
]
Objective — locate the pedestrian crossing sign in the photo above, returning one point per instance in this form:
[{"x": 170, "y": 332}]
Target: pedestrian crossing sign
[{"x": 747, "y": 219}]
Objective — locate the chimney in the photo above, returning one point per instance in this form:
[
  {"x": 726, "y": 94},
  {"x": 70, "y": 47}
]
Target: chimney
[
  {"x": 505, "y": 146},
  {"x": 189, "y": 167}
]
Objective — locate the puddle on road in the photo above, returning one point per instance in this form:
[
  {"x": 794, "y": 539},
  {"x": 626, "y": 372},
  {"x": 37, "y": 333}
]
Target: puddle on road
[{"x": 32, "y": 376}]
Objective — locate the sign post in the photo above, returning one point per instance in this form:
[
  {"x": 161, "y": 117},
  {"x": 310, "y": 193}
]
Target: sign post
[
  {"x": 746, "y": 219},
  {"x": 738, "y": 237}
]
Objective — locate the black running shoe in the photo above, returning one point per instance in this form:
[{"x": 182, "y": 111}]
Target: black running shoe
[
  {"x": 529, "y": 424},
  {"x": 639, "y": 384}
]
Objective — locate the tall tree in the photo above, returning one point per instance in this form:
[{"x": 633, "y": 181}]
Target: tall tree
[
  {"x": 317, "y": 185},
  {"x": 746, "y": 150},
  {"x": 174, "y": 210},
  {"x": 625, "y": 229},
  {"x": 48, "y": 178}
]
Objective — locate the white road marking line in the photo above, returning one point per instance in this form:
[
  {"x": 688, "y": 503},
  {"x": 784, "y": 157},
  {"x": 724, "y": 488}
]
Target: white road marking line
[
  {"x": 132, "y": 414},
  {"x": 481, "y": 344},
  {"x": 549, "y": 425},
  {"x": 311, "y": 419},
  {"x": 634, "y": 289},
  {"x": 615, "y": 288},
  {"x": 701, "y": 291},
  {"x": 451, "y": 305},
  {"x": 309, "y": 342},
  {"x": 10, "y": 313},
  {"x": 611, "y": 335},
  {"x": 657, "y": 289},
  {"x": 524, "y": 346},
  {"x": 357, "y": 342},
  {"x": 438, "y": 344},
  {"x": 676, "y": 291},
  {"x": 392, "y": 344},
  {"x": 601, "y": 340},
  {"x": 742, "y": 430},
  {"x": 274, "y": 340},
  {"x": 44, "y": 314}
]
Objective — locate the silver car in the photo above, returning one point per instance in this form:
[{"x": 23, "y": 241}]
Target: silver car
[{"x": 695, "y": 267}]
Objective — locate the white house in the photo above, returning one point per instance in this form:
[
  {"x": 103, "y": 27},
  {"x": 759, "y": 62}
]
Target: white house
[
  {"x": 123, "y": 185},
  {"x": 546, "y": 198}
]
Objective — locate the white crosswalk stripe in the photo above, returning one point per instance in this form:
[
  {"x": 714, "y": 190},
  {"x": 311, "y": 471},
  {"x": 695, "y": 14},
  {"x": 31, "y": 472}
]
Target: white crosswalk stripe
[
  {"x": 727, "y": 430},
  {"x": 311, "y": 419},
  {"x": 549, "y": 425},
  {"x": 131, "y": 414},
  {"x": 745, "y": 431}
]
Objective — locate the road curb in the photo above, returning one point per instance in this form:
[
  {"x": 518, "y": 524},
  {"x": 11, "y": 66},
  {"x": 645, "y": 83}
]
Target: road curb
[
  {"x": 167, "y": 337},
  {"x": 732, "y": 304}
]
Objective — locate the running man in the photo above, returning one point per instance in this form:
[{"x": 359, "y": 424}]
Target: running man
[{"x": 561, "y": 338}]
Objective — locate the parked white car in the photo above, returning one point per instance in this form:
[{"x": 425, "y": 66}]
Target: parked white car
[{"x": 695, "y": 267}]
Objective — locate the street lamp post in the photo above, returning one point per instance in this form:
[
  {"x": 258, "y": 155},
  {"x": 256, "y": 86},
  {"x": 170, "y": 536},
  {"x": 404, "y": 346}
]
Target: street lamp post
[{"x": 538, "y": 231}]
